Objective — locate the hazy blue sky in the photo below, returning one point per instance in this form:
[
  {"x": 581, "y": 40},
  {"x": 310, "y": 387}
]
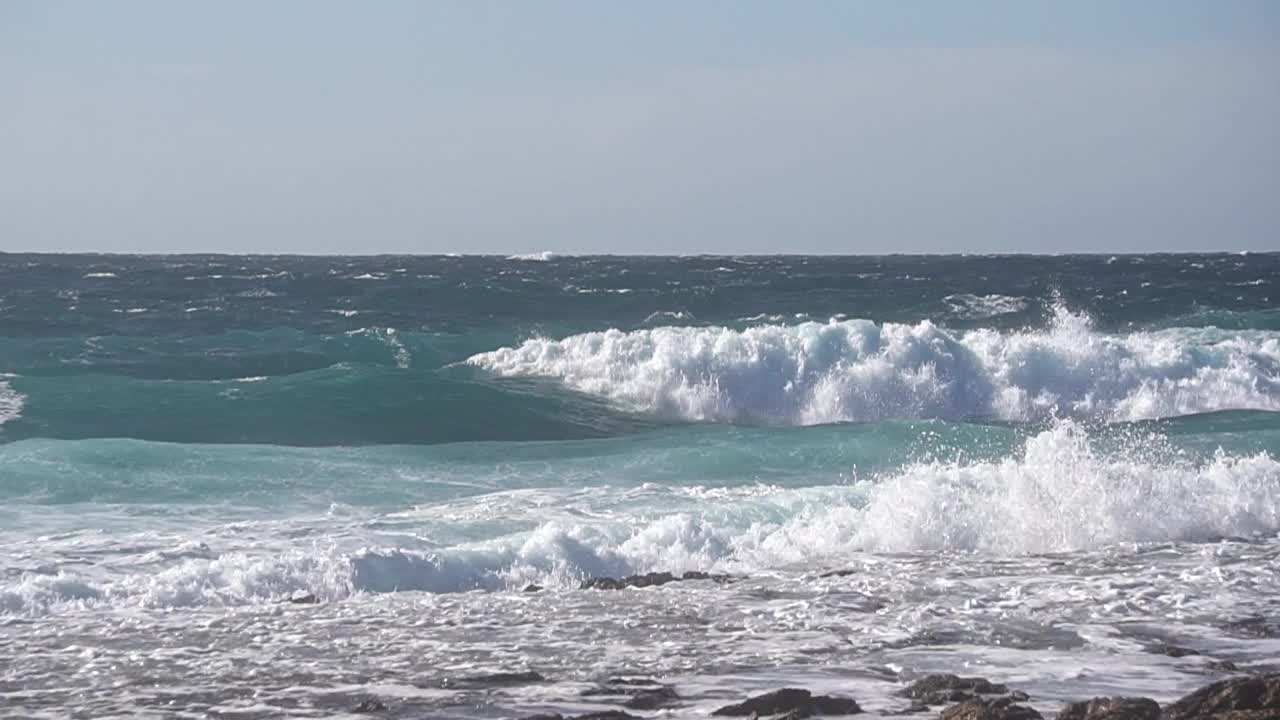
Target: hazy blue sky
[{"x": 701, "y": 126}]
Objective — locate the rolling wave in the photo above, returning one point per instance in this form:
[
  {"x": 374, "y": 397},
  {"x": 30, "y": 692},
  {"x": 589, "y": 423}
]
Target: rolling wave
[
  {"x": 1060, "y": 491},
  {"x": 338, "y": 405},
  {"x": 856, "y": 370}
]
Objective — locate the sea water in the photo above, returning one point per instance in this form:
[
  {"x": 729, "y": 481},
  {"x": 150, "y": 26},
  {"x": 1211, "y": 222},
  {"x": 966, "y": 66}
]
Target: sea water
[{"x": 1040, "y": 470}]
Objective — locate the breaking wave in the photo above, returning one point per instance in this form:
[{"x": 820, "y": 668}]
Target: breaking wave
[
  {"x": 1062, "y": 491},
  {"x": 856, "y": 370}
]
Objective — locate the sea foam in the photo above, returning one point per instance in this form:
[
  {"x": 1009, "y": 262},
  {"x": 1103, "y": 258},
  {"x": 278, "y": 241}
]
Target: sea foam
[
  {"x": 857, "y": 370},
  {"x": 11, "y": 402},
  {"x": 1060, "y": 492}
]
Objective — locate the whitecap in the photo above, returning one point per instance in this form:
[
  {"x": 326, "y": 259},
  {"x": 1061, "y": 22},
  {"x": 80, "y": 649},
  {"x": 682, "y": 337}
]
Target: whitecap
[{"x": 856, "y": 370}]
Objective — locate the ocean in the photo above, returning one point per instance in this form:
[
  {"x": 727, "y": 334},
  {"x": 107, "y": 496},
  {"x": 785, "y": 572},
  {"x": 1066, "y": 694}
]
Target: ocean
[{"x": 282, "y": 486}]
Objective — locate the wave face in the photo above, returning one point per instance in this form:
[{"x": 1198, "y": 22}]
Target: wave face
[
  {"x": 858, "y": 370},
  {"x": 617, "y": 509}
]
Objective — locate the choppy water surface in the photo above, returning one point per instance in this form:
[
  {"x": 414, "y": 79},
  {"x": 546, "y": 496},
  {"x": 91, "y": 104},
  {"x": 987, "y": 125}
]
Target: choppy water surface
[{"x": 1039, "y": 470}]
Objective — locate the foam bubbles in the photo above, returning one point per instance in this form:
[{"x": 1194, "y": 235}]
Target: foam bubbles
[
  {"x": 1061, "y": 491},
  {"x": 985, "y": 306},
  {"x": 1063, "y": 494},
  {"x": 544, "y": 256},
  {"x": 11, "y": 402},
  {"x": 856, "y": 370}
]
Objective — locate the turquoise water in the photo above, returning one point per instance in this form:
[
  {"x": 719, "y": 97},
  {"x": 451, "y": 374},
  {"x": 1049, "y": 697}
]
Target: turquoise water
[{"x": 187, "y": 442}]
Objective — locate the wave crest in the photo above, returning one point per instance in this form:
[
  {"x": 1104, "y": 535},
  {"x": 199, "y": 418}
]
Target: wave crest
[{"x": 856, "y": 370}]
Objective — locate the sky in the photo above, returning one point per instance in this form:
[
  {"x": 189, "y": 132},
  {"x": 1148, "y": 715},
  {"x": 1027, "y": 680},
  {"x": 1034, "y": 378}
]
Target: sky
[{"x": 709, "y": 126}]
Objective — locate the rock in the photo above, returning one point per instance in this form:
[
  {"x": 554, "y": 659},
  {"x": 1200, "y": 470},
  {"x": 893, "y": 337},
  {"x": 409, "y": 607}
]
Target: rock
[
  {"x": 652, "y": 698},
  {"x": 1222, "y": 666},
  {"x": 1241, "y": 698},
  {"x": 983, "y": 709},
  {"x": 639, "y": 693},
  {"x": 794, "y": 702},
  {"x": 1112, "y": 708},
  {"x": 944, "y": 688},
  {"x": 370, "y": 705},
  {"x": 307, "y": 599},
  {"x": 838, "y": 573},
  {"x": 647, "y": 580},
  {"x": 532, "y": 588},
  {"x": 1174, "y": 651},
  {"x": 502, "y": 678}
]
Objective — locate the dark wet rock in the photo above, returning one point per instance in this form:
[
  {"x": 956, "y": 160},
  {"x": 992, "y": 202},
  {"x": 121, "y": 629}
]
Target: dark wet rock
[
  {"x": 838, "y": 573},
  {"x": 636, "y": 693},
  {"x": 652, "y": 698},
  {"x": 307, "y": 599},
  {"x": 1112, "y": 708},
  {"x": 1241, "y": 698},
  {"x": 370, "y": 705},
  {"x": 502, "y": 678},
  {"x": 1255, "y": 627},
  {"x": 944, "y": 688},
  {"x": 984, "y": 709},
  {"x": 1221, "y": 666},
  {"x": 791, "y": 703},
  {"x": 652, "y": 579},
  {"x": 532, "y": 588},
  {"x": 1174, "y": 651}
]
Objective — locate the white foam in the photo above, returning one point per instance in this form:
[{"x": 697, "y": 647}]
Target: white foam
[
  {"x": 99, "y": 275},
  {"x": 544, "y": 256},
  {"x": 985, "y": 306},
  {"x": 661, "y": 316},
  {"x": 1063, "y": 494},
  {"x": 856, "y": 370},
  {"x": 11, "y": 402},
  {"x": 1058, "y": 493}
]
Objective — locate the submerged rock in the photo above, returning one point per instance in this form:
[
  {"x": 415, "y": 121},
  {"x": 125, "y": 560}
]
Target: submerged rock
[
  {"x": 370, "y": 705},
  {"x": 794, "y": 703},
  {"x": 1174, "y": 651},
  {"x": 984, "y": 709},
  {"x": 1112, "y": 708},
  {"x": 501, "y": 678},
  {"x": 307, "y": 599},
  {"x": 652, "y": 698},
  {"x": 636, "y": 693},
  {"x": 652, "y": 579},
  {"x": 1242, "y": 698},
  {"x": 944, "y": 688}
]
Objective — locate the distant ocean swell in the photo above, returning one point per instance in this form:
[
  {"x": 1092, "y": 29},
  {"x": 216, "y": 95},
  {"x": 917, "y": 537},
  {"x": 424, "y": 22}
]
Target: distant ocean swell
[{"x": 1060, "y": 491}]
